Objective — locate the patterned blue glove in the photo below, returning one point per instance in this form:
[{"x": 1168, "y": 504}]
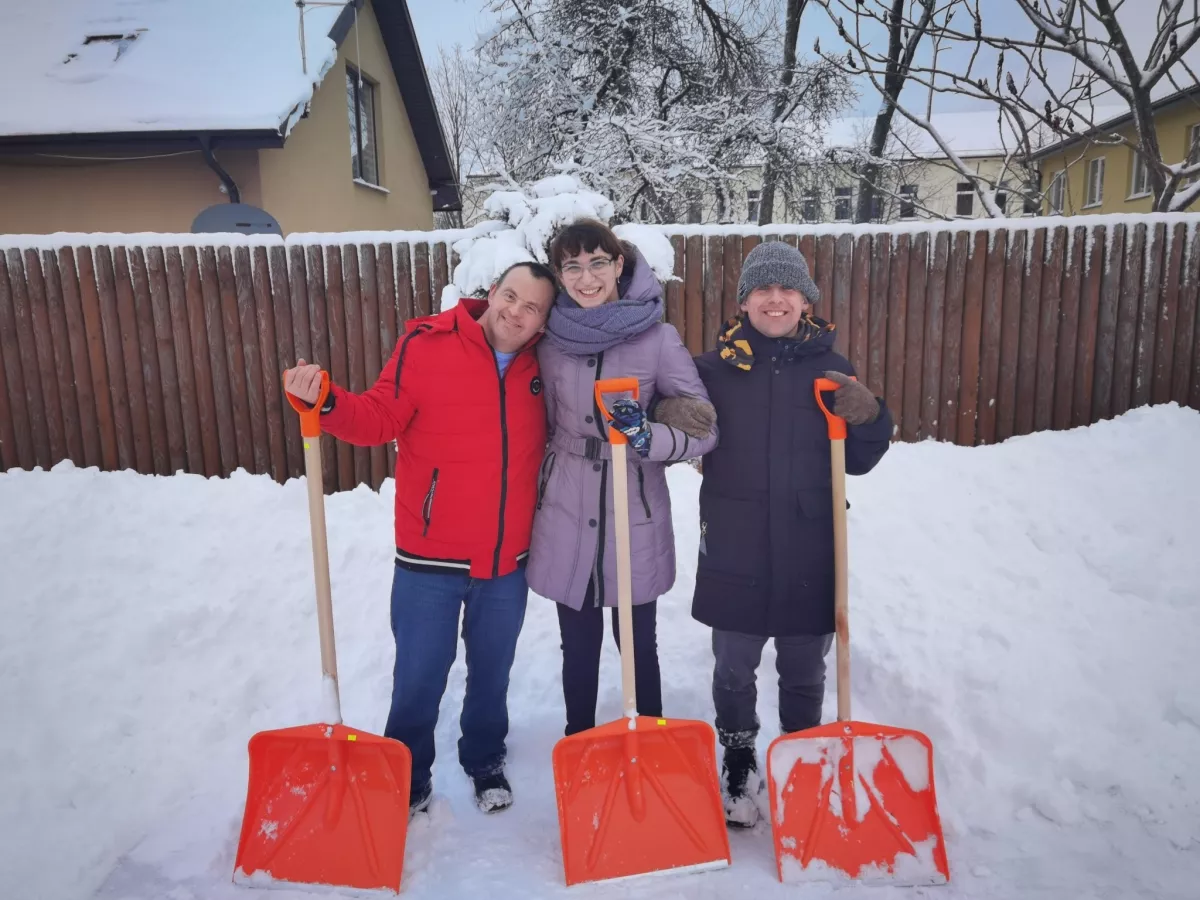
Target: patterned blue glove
[{"x": 631, "y": 421}]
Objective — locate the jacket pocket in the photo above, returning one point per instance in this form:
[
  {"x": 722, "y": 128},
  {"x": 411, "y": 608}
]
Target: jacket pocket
[
  {"x": 815, "y": 503},
  {"x": 544, "y": 477},
  {"x": 642, "y": 491},
  {"x": 427, "y": 506}
]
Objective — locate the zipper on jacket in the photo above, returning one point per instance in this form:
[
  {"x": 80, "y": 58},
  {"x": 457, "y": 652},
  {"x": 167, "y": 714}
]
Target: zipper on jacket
[
  {"x": 427, "y": 508},
  {"x": 602, "y": 427},
  {"x": 642, "y": 490},
  {"x": 602, "y": 527},
  {"x": 503, "y": 460},
  {"x": 403, "y": 351},
  {"x": 547, "y": 469},
  {"x": 601, "y": 421}
]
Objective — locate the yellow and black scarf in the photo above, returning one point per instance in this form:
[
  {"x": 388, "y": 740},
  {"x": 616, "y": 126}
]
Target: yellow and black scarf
[{"x": 735, "y": 345}]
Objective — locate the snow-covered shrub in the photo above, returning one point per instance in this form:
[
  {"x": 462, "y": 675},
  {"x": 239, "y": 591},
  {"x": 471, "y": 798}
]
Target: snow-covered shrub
[{"x": 521, "y": 223}]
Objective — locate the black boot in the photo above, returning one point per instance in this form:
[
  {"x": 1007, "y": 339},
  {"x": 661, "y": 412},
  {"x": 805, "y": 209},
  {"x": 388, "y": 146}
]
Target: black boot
[
  {"x": 418, "y": 800},
  {"x": 740, "y": 786},
  {"x": 492, "y": 793}
]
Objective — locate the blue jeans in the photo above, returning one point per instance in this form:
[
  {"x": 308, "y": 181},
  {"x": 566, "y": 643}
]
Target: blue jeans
[{"x": 425, "y": 609}]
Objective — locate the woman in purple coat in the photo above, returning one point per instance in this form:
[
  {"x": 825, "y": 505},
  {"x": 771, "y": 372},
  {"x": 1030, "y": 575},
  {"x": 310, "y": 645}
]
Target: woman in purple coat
[{"x": 606, "y": 323}]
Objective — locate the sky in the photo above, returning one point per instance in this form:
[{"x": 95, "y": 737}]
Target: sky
[
  {"x": 443, "y": 23},
  {"x": 440, "y": 24}
]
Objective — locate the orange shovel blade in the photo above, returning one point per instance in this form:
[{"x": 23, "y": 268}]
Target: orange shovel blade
[
  {"x": 325, "y": 805},
  {"x": 634, "y": 801},
  {"x": 855, "y": 800}
]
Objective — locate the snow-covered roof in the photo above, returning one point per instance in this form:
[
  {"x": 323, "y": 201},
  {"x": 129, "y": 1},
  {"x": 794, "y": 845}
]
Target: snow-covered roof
[
  {"x": 969, "y": 134},
  {"x": 117, "y": 66}
]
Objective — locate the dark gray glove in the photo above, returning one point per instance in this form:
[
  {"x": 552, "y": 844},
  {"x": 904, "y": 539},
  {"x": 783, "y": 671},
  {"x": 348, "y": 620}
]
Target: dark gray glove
[
  {"x": 853, "y": 401},
  {"x": 691, "y": 415}
]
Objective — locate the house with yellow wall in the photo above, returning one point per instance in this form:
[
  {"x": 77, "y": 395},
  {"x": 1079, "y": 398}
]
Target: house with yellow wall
[
  {"x": 1090, "y": 173},
  {"x": 139, "y": 115}
]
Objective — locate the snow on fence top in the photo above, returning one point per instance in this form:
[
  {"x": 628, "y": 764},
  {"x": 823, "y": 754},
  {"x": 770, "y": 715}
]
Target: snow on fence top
[
  {"x": 638, "y": 234},
  {"x": 954, "y": 226},
  {"x": 92, "y": 66}
]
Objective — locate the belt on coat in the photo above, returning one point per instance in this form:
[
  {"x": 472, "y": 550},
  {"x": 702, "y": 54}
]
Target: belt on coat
[{"x": 588, "y": 448}]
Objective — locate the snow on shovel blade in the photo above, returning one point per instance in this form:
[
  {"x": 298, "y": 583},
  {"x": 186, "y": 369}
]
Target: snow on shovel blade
[
  {"x": 325, "y": 805},
  {"x": 640, "y": 800},
  {"x": 853, "y": 800}
]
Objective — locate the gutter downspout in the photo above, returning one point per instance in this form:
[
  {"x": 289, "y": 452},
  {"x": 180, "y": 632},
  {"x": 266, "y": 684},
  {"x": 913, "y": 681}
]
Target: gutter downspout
[{"x": 227, "y": 179}]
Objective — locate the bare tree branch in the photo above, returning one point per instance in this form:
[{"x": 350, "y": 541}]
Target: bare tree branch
[{"x": 1038, "y": 100}]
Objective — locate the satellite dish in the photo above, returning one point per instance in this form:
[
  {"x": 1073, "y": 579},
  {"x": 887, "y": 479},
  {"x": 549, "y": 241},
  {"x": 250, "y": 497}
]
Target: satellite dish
[{"x": 235, "y": 218}]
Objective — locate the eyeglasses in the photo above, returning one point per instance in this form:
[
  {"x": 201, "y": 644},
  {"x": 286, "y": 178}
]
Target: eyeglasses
[{"x": 596, "y": 266}]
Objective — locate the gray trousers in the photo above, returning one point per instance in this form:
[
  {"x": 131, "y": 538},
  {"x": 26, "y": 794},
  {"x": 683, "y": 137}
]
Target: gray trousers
[{"x": 800, "y": 662}]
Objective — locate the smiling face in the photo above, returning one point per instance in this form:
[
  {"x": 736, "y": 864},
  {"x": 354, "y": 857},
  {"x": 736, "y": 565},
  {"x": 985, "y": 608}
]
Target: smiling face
[
  {"x": 518, "y": 306},
  {"x": 775, "y": 311},
  {"x": 590, "y": 277}
]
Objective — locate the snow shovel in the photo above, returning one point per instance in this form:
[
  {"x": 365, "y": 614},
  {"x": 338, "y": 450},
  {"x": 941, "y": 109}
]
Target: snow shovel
[
  {"x": 640, "y": 794},
  {"x": 326, "y": 805},
  {"x": 853, "y": 800}
]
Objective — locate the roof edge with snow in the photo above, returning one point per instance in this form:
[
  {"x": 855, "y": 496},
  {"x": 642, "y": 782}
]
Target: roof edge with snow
[{"x": 1190, "y": 93}]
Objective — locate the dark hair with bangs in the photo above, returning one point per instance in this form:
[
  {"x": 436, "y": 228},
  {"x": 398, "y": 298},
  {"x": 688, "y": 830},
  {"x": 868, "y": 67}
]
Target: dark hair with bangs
[{"x": 584, "y": 236}]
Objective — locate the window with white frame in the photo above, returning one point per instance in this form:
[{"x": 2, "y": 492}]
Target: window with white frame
[
  {"x": 843, "y": 199},
  {"x": 965, "y": 205},
  {"x": 1058, "y": 190},
  {"x": 360, "y": 101},
  {"x": 1031, "y": 201},
  {"x": 1095, "y": 182},
  {"x": 753, "y": 204},
  {"x": 1001, "y": 197},
  {"x": 810, "y": 207},
  {"x": 908, "y": 201},
  {"x": 1140, "y": 185}
]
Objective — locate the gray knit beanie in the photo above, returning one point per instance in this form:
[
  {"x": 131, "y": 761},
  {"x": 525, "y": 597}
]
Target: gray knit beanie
[{"x": 776, "y": 263}]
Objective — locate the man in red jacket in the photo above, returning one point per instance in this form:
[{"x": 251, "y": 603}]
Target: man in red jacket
[{"x": 462, "y": 399}]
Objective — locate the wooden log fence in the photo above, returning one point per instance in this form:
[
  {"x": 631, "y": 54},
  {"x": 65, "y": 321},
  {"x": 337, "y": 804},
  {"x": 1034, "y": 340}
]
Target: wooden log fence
[{"x": 166, "y": 356}]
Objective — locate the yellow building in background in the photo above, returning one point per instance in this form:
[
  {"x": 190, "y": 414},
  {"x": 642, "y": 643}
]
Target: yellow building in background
[{"x": 1081, "y": 176}]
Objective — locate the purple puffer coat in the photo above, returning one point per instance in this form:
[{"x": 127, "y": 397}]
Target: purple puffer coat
[{"x": 572, "y": 526}]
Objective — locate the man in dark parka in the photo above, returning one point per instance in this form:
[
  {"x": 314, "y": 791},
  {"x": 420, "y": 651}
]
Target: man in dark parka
[{"x": 766, "y": 563}]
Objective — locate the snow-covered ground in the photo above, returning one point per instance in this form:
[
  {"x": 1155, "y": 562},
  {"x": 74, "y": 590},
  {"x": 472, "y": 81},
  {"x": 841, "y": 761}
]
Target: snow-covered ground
[{"x": 1033, "y": 607}]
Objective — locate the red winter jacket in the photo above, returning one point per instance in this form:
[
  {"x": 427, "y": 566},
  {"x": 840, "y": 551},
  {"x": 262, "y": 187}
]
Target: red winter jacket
[{"x": 469, "y": 443}]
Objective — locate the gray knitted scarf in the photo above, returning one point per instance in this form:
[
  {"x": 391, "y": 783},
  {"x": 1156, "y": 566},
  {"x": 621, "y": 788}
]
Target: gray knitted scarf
[{"x": 579, "y": 332}]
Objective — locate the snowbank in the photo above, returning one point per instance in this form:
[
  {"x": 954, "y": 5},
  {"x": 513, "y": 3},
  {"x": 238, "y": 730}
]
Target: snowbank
[{"x": 1032, "y": 607}]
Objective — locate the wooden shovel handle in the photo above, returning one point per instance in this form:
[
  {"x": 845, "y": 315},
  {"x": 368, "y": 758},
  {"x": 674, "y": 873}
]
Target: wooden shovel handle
[
  {"x": 310, "y": 429},
  {"x": 621, "y": 526},
  {"x": 841, "y": 594}
]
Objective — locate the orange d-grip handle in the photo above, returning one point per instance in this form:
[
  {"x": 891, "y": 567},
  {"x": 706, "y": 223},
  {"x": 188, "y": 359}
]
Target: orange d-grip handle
[
  {"x": 837, "y": 425},
  {"x": 310, "y": 419},
  {"x": 614, "y": 386}
]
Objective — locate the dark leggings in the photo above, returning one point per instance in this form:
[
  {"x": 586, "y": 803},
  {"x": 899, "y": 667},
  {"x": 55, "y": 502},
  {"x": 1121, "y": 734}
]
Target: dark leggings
[{"x": 582, "y": 634}]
